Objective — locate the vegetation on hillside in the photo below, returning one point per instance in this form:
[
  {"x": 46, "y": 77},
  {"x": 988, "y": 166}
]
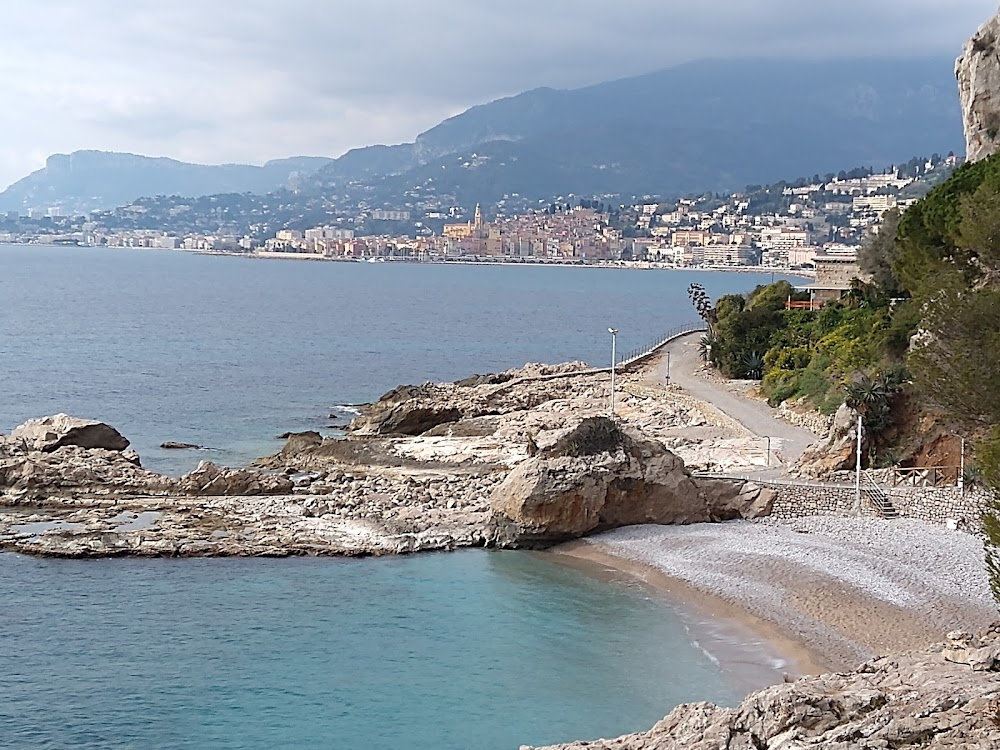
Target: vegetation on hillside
[
  {"x": 927, "y": 326},
  {"x": 854, "y": 346}
]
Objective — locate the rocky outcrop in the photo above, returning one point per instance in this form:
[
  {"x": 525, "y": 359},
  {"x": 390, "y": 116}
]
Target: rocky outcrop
[
  {"x": 29, "y": 476},
  {"x": 300, "y": 442},
  {"x": 978, "y": 74},
  {"x": 325, "y": 513},
  {"x": 55, "y": 457},
  {"x": 50, "y": 433},
  {"x": 211, "y": 480},
  {"x": 599, "y": 477},
  {"x": 417, "y": 409},
  {"x": 836, "y": 452},
  {"x": 945, "y": 697}
]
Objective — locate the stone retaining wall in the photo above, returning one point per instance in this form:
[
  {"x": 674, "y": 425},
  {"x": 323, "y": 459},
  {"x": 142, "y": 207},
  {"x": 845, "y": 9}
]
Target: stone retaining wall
[{"x": 931, "y": 504}]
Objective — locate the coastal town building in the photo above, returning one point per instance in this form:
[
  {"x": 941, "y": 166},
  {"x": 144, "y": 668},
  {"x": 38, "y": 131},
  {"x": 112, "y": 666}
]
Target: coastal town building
[{"x": 787, "y": 227}]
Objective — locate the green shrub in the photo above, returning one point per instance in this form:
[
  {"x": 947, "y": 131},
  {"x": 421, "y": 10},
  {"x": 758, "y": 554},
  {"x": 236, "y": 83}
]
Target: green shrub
[{"x": 780, "y": 385}]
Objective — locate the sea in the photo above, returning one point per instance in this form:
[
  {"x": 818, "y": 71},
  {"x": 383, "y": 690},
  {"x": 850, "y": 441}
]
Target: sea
[{"x": 472, "y": 649}]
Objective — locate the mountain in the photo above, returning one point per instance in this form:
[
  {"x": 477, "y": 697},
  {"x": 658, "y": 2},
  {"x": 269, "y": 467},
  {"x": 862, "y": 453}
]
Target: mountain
[
  {"x": 88, "y": 180},
  {"x": 710, "y": 125},
  {"x": 706, "y": 125}
]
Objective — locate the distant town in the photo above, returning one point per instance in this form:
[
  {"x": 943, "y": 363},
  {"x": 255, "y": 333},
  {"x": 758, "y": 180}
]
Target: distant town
[{"x": 793, "y": 226}]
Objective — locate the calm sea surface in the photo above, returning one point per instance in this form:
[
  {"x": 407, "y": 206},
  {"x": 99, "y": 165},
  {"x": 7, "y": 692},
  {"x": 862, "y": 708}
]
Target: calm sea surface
[
  {"x": 464, "y": 650},
  {"x": 228, "y": 352},
  {"x": 447, "y": 651}
]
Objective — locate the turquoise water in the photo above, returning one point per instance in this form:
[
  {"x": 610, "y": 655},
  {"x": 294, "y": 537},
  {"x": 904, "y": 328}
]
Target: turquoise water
[
  {"x": 451, "y": 651},
  {"x": 466, "y": 650},
  {"x": 228, "y": 352}
]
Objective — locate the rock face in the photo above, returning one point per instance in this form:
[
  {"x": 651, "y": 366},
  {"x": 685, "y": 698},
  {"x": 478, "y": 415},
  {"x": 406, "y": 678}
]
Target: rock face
[
  {"x": 211, "y": 480},
  {"x": 978, "y": 74},
  {"x": 945, "y": 697},
  {"x": 49, "y": 433},
  {"x": 836, "y": 452},
  {"x": 599, "y": 477}
]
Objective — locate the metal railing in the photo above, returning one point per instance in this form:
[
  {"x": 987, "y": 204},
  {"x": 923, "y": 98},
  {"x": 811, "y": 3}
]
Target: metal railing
[
  {"x": 925, "y": 476},
  {"x": 877, "y": 496},
  {"x": 644, "y": 351}
]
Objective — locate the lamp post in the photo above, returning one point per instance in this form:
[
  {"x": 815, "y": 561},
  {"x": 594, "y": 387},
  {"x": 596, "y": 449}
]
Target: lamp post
[
  {"x": 857, "y": 473},
  {"x": 614, "y": 338},
  {"x": 668, "y": 367},
  {"x": 961, "y": 468}
]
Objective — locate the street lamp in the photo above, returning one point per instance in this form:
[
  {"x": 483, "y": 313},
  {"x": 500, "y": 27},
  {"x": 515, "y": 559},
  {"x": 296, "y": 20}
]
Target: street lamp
[
  {"x": 857, "y": 469},
  {"x": 961, "y": 468},
  {"x": 668, "y": 367},
  {"x": 614, "y": 338}
]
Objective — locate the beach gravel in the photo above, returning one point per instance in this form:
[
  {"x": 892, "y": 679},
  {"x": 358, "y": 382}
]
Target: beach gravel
[{"x": 848, "y": 588}]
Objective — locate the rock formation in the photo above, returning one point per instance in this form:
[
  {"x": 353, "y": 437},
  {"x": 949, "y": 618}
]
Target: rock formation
[
  {"x": 416, "y": 409},
  {"x": 61, "y": 456},
  {"x": 836, "y": 452},
  {"x": 49, "y": 433},
  {"x": 945, "y": 697},
  {"x": 599, "y": 477},
  {"x": 978, "y": 74},
  {"x": 211, "y": 480}
]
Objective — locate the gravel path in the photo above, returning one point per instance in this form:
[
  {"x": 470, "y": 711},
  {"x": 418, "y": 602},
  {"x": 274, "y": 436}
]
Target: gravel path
[
  {"x": 788, "y": 441},
  {"x": 847, "y": 588}
]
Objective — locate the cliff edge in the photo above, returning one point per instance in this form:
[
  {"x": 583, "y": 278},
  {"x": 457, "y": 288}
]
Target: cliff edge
[{"x": 978, "y": 74}]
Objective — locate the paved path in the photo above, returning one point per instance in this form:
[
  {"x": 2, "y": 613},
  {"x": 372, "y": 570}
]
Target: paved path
[{"x": 756, "y": 416}]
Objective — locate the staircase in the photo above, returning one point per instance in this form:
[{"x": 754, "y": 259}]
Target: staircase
[{"x": 877, "y": 497}]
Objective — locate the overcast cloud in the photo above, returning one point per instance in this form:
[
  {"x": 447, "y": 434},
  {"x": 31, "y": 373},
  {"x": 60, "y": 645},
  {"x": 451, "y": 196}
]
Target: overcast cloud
[{"x": 250, "y": 80}]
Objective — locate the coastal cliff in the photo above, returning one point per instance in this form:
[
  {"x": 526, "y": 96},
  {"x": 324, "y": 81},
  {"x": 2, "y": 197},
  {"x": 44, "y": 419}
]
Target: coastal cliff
[
  {"x": 978, "y": 74},
  {"x": 947, "y": 696}
]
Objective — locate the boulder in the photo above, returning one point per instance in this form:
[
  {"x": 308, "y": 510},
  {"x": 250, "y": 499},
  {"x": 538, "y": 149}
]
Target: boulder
[
  {"x": 212, "y": 480},
  {"x": 300, "y": 442},
  {"x": 978, "y": 74},
  {"x": 172, "y": 446},
  {"x": 600, "y": 477},
  {"x": 50, "y": 433},
  {"x": 403, "y": 418},
  {"x": 836, "y": 452}
]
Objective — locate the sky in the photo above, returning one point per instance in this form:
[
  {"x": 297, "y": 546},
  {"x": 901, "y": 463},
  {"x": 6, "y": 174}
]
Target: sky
[{"x": 215, "y": 81}]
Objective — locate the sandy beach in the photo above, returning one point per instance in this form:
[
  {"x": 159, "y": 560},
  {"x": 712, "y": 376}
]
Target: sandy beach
[{"x": 826, "y": 592}]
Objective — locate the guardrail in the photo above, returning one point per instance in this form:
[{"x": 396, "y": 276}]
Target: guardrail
[
  {"x": 642, "y": 352},
  {"x": 925, "y": 476}
]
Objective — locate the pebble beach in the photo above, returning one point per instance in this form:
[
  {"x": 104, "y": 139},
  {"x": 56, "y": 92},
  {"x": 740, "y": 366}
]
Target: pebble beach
[{"x": 829, "y": 592}]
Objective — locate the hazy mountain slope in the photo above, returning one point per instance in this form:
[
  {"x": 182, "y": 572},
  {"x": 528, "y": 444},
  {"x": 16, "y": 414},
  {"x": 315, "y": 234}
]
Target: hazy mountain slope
[
  {"x": 87, "y": 180},
  {"x": 713, "y": 124}
]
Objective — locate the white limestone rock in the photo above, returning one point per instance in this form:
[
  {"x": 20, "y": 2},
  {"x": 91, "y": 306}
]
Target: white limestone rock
[
  {"x": 50, "y": 433},
  {"x": 978, "y": 74}
]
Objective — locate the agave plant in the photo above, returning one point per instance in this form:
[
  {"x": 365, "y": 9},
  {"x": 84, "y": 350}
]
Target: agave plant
[
  {"x": 705, "y": 344},
  {"x": 866, "y": 393},
  {"x": 753, "y": 365}
]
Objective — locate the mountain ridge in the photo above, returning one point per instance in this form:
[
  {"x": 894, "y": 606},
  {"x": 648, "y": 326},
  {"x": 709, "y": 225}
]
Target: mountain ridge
[
  {"x": 90, "y": 179},
  {"x": 714, "y": 124},
  {"x": 866, "y": 110}
]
